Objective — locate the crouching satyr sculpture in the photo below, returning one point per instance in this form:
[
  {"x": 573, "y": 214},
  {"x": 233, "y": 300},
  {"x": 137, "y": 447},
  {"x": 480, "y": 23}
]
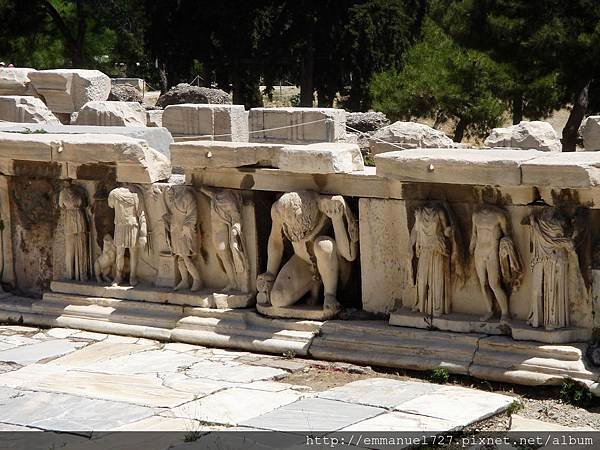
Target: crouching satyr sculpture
[
  {"x": 104, "y": 264},
  {"x": 305, "y": 219}
]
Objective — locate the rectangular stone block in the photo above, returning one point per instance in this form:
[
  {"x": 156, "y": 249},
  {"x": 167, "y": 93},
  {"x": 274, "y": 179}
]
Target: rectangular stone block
[
  {"x": 297, "y": 125},
  {"x": 212, "y": 154},
  {"x": 15, "y": 81},
  {"x": 321, "y": 158},
  {"x": 24, "y": 109},
  {"x": 67, "y": 90},
  {"x": 565, "y": 170},
  {"x": 470, "y": 166},
  {"x": 221, "y": 122},
  {"x": 158, "y": 138},
  {"x": 384, "y": 253}
]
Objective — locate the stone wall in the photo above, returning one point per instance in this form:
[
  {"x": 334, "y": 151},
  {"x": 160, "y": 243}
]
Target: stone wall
[{"x": 481, "y": 261}]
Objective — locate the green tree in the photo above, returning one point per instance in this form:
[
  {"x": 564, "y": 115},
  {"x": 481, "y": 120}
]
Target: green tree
[
  {"x": 76, "y": 33},
  {"x": 551, "y": 46},
  {"x": 443, "y": 81}
]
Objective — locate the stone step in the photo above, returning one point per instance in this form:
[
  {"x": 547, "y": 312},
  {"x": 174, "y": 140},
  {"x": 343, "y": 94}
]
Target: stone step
[
  {"x": 231, "y": 328},
  {"x": 463, "y": 323},
  {"x": 371, "y": 342},
  {"x": 203, "y": 298},
  {"x": 376, "y": 343}
]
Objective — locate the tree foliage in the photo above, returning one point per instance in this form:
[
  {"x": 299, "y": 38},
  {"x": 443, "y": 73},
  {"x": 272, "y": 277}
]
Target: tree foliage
[
  {"x": 443, "y": 81},
  {"x": 551, "y": 46}
]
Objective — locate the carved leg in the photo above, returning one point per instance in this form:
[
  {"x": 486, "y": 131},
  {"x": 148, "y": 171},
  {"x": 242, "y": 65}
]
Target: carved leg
[
  {"x": 185, "y": 279},
  {"x": 193, "y": 271},
  {"x": 133, "y": 262},
  {"x": 120, "y": 262},
  {"x": 227, "y": 262},
  {"x": 294, "y": 280},
  {"x": 422, "y": 286},
  {"x": 69, "y": 256},
  {"x": 328, "y": 265},
  {"x": 482, "y": 276},
  {"x": 493, "y": 272},
  {"x": 98, "y": 272}
]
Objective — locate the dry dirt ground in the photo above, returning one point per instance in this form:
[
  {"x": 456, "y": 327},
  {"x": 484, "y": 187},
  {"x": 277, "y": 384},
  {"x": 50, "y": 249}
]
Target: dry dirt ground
[{"x": 540, "y": 403}]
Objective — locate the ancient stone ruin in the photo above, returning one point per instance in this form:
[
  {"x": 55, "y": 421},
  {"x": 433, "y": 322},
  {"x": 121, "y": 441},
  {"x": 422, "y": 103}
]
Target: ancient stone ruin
[{"x": 274, "y": 236}]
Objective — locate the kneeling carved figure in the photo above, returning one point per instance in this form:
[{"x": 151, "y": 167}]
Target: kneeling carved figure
[{"x": 306, "y": 219}]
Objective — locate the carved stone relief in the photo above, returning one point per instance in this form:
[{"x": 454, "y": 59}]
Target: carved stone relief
[
  {"x": 307, "y": 220},
  {"x": 497, "y": 261},
  {"x": 74, "y": 214},
  {"x": 434, "y": 238},
  {"x": 130, "y": 230},
  {"x": 180, "y": 220},
  {"x": 557, "y": 278},
  {"x": 228, "y": 236}
]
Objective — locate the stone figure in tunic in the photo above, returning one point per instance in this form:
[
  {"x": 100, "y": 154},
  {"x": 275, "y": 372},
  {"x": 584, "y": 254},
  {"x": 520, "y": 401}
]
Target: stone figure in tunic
[
  {"x": 228, "y": 236},
  {"x": 181, "y": 220},
  {"x": 496, "y": 258},
  {"x": 557, "y": 279},
  {"x": 75, "y": 223},
  {"x": 435, "y": 247},
  {"x": 308, "y": 220},
  {"x": 130, "y": 230}
]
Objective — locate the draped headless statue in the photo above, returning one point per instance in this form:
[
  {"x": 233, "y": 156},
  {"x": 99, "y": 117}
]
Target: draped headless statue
[
  {"x": 228, "y": 236},
  {"x": 75, "y": 224},
  {"x": 434, "y": 238},
  {"x": 181, "y": 220},
  {"x": 130, "y": 230},
  {"x": 557, "y": 279}
]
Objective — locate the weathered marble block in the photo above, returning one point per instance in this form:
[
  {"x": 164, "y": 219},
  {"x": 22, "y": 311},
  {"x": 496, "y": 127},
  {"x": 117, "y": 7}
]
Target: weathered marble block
[
  {"x": 534, "y": 135},
  {"x": 25, "y": 109},
  {"x": 157, "y": 138},
  {"x": 70, "y": 155},
  {"x": 324, "y": 158},
  {"x": 106, "y": 113},
  {"x": 67, "y": 90},
  {"x": 297, "y": 125},
  {"x": 213, "y": 122},
  {"x": 15, "y": 81}
]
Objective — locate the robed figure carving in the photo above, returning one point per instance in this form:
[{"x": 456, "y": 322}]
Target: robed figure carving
[
  {"x": 557, "y": 279},
  {"x": 75, "y": 224},
  {"x": 181, "y": 219},
  {"x": 228, "y": 236},
  {"x": 436, "y": 248}
]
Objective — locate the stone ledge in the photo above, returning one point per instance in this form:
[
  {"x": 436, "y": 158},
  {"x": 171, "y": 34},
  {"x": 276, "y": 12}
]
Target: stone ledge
[
  {"x": 496, "y": 358},
  {"x": 463, "y": 323},
  {"x": 135, "y": 161},
  {"x": 302, "y": 311},
  {"x": 459, "y": 323},
  {"x": 495, "y": 167},
  {"x": 205, "y": 298},
  {"x": 323, "y": 158}
]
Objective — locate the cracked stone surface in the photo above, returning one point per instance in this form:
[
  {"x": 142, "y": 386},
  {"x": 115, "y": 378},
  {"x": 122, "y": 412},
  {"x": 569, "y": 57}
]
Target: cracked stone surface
[{"x": 73, "y": 381}]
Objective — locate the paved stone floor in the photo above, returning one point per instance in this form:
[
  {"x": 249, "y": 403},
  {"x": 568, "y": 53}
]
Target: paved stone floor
[{"x": 83, "y": 383}]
